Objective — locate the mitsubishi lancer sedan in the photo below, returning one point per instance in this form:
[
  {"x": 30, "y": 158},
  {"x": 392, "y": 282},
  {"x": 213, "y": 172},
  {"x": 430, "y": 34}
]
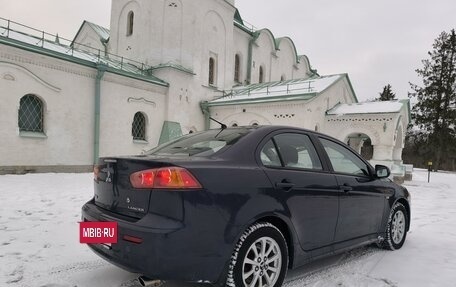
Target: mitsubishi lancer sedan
[{"x": 240, "y": 206}]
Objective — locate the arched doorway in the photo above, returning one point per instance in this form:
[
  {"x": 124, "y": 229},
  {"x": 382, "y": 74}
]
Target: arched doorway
[
  {"x": 361, "y": 143},
  {"x": 398, "y": 144}
]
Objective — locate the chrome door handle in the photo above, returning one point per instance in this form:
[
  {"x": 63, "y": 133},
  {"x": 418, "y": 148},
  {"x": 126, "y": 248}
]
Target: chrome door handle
[
  {"x": 287, "y": 186},
  {"x": 346, "y": 188}
]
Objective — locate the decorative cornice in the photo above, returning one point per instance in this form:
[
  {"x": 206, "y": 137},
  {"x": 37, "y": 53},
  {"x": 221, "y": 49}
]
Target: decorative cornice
[
  {"x": 28, "y": 72},
  {"x": 27, "y": 60},
  {"x": 364, "y": 119},
  {"x": 81, "y": 71},
  {"x": 8, "y": 77},
  {"x": 141, "y": 100},
  {"x": 272, "y": 107}
]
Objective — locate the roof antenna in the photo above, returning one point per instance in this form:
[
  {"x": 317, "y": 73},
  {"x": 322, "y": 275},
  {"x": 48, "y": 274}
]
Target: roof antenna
[{"x": 223, "y": 126}]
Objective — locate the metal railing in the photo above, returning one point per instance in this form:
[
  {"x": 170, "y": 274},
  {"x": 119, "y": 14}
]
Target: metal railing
[
  {"x": 246, "y": 25},
  {"x": 17, "y": 31},
  {"x": 252, "y": 91}
]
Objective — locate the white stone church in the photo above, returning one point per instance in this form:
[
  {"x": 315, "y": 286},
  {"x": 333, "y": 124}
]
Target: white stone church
[{"x": 161, "y": 70}]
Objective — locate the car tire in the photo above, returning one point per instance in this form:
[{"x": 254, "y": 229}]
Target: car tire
[
  {"x": 396, "y": 229},
  {"x": 261, "y": 255}
]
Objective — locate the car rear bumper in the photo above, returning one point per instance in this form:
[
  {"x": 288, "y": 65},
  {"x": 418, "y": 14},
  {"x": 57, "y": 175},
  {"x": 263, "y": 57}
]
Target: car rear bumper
[{"x": 168, "y": 251}]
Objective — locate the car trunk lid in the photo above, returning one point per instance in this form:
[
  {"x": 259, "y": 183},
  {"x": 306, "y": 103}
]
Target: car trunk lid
[{"x": 113, "y": 190}]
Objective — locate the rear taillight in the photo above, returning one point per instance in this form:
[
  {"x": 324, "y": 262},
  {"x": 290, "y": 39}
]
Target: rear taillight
[{"x": 167, "y": 177}]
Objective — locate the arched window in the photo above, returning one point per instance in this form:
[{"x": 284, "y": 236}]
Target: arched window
[
  {"x": 211, "y": 71},
  {"x": 283, "y": 78},
  {"x": 31, "y": 114},
  {"x": 234, "y": 125},
  {"x": 130, "y": 21},
  {"x": 261, "y": 77},
  {"x": 138, "y": 127},
  {"x": 237, "y": 68}
]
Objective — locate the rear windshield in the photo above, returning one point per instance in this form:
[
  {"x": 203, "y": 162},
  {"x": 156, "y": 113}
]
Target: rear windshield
[{"x": 200, "y": 144}]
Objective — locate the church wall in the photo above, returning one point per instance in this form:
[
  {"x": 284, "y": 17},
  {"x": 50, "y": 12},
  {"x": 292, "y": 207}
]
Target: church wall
[
  {"x": 119, "y": 104},
  {"x": 132, "y": 46},
  {"x": 188, "y": 33},
  {"x": 175, "y": 31},
  {"x": 302, "y": 70},
  {"x": 286, "y": 61},
  {"x": 185, "y": 33},
  {"x": 263, "y": 55},
  {"x": 241, "y": 47},
  {"x": 304, "y": 114},
  {"x": 183, "y": 99},
  {"x": 67, "y": 91},
  {"x": 309, "y": 114}
]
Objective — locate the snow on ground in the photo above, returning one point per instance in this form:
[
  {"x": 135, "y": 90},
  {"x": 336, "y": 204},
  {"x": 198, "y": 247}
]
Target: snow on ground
[{"x": 39, "y": 244}]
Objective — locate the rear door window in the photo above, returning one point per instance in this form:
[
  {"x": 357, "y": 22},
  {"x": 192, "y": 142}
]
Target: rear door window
[
  {"x": 294, "y": 151},
  {"x": 269, "y": 155}
]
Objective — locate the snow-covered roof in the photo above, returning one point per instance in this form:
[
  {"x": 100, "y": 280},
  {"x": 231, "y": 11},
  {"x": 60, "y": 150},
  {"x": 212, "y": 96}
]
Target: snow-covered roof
[
  {"x": 307, "y": 88},
  {"x": 37, "y": 41},
  {"x": 101, "y": 31},
  {"x": 367, "y": 108}
]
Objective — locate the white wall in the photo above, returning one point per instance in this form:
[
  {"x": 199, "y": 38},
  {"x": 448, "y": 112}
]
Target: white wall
[
  {"x": 240, "y": 46},
  {"x": 305, "y": 114},
  {"x": 68, "y": 93},
  {"x": 121, "y": 99}
]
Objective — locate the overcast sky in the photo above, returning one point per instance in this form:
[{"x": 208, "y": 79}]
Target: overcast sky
[{"x": 375, "y": 42}]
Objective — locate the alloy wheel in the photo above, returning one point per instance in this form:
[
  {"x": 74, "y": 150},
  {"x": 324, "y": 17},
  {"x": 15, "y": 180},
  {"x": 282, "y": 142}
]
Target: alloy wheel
[
  {"x": 398, "y": 227},
  {"x": 262, "y": 263}
]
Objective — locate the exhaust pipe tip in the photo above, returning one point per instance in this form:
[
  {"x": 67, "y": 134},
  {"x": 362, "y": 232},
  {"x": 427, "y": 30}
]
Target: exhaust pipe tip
[{"x": 145, "y": 281}]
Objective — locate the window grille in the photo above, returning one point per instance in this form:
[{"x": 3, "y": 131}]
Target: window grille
[
  {"x": 237, "y": 67},
  {"x": 211, "y": 71},
  {"x": 138, "y": 128},
  {"x": 30, "y": 114}
]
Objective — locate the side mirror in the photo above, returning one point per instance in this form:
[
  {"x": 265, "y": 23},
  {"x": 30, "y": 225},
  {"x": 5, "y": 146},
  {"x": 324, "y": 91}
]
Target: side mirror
[{"x": 382, "y": 171}]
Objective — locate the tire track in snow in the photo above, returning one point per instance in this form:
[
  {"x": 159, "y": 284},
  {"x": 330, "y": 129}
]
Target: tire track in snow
[{"x": 346, "y": 271}]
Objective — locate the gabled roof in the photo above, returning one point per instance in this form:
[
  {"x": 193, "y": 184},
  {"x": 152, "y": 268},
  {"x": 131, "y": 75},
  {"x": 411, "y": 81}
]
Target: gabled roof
[
  {"x": 290, "y": 90},
  {"x": 369, "y": 108},
  {"x": 366, "y": 108},
  {"x": 102, "y": 32}
]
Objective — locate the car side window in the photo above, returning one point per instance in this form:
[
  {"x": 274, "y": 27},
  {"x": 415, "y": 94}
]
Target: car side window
[
  {"x": 269, "y": 155},
  {"x": 344, "y": 160},
  {"x": 297, "y": 151}
]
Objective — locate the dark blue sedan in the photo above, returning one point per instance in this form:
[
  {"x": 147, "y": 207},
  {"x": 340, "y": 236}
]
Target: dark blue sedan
[{"x": 240, "y": 206}]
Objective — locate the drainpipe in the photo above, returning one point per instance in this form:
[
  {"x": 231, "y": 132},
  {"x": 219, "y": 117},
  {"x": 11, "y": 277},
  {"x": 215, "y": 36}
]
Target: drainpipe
[
  {"x": 105, "y": 45},
  {"x": 204, "y": 105},
  {"x": 101, "y": 69},
  {"x": 249, "y": 57}
]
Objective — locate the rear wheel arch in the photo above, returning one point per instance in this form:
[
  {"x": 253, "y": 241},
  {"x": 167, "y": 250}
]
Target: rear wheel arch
[{"x": 286, "y": 232}]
